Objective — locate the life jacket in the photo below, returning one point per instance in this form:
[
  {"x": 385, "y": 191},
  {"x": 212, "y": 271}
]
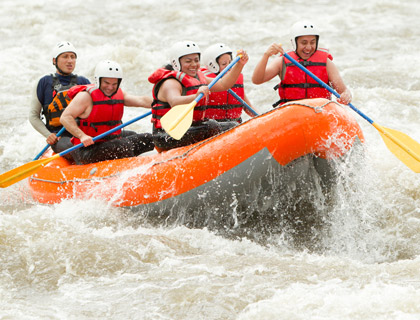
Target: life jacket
[
  {"x": 223, "y": 106},
  {"x": 190, "y": 86},
  {"x": 53, "y": 111},
  {"x": 296, "y": 84},
  {"x": 106, "y": 114}
]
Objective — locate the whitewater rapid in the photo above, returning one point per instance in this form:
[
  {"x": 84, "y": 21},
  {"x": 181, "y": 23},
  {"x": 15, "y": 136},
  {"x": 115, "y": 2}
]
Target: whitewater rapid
[{"x": 89, "y": 260}]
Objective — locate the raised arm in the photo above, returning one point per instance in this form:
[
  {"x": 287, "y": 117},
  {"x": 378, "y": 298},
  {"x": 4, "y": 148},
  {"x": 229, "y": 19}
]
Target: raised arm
[
  {"x": 230, "y": 78},
  {"x": 263, "y": 73}
]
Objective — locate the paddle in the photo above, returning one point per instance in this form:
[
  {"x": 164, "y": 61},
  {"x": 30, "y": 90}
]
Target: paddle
[
  {"x": 233, "y": 93},
  {"x": 28, "y": 169},
  {"x": 401, "y": 145},
  {"x": 48, "y": 145},
  {"x": 178, "y": 120}
]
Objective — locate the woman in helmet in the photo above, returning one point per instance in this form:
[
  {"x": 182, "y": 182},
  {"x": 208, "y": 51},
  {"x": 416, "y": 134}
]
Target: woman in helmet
[
  {"x": 223, "y": 106},
  {"x": 64, "y": 57},
  {"x": 294, "y": 83},
  {"x": 99, "y": 107},
  {"x": 180, "y": 83}
]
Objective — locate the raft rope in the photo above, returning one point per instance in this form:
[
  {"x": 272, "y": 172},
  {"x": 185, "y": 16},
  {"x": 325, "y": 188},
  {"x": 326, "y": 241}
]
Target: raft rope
[
  {"x": 317, "y": 109},
  {"x": 75, "y": 180}
]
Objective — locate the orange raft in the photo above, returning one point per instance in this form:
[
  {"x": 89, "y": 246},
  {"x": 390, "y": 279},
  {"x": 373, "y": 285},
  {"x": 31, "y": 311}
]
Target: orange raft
[{"x": 277, "y": 147}]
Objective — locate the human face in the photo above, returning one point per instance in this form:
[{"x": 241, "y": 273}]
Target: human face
[
  {"x": 306, "y": 46},
  {"x": 190, "y": 64},
  {"x": 224, "y": 61},
  {"x": 109, "y": 86},
  {"x": 66, "y": 62}
]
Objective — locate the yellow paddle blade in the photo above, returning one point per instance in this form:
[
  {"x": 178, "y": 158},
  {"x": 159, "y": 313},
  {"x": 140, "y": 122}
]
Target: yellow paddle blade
[
  {"x": 178, "y": 120},
  {"x": 402, "y": 146},
  {"x": 15, "y": 175}
]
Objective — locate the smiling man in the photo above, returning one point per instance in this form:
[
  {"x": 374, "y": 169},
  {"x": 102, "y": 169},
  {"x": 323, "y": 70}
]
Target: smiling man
[
  {"x": 99, "y": 108},
  {"x": 294, "y": 83}
]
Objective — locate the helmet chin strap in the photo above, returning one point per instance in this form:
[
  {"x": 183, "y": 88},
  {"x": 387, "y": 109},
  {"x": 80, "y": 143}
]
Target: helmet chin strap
[{"x": 61, "y": 71}]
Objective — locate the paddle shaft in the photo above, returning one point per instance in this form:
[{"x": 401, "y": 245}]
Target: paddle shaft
[
  {"x": 322, "y": 83},
  {"x": 59, "y": 133},
  {"x": 102, "y": 135},
  {"x": 233, "y": 93}
]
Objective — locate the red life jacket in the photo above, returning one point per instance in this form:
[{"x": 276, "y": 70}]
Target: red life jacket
[
  {"x": 222, "y": 106},
  {"x": 297, "y": 85},
  {"x": 106, "y": 114},
  {"x": 190, "y": 86}
]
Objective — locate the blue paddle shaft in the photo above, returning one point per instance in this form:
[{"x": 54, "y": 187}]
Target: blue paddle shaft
[
  {"x": 221, "y": 74},
  {"x": 47, "y": 146},
  {"x": 233, "y": 93},
  {"x": 102, "y": 135},
  {"x": 326, "y": 86}
]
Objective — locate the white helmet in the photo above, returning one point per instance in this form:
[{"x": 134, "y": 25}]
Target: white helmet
[
  {"x": 107, "y": 69},
  {"x": 181, "y": 49},
  {"x": 61, "y": 47},
  {"x": 212, "y": 53},
  {"x": 303, "y": 28}
]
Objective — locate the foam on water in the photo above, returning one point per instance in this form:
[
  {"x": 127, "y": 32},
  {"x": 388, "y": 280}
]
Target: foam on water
[{"x": 89, "y": 260}]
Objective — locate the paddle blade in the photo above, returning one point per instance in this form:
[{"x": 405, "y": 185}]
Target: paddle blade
[
  {"x": 178, "y": 120},
  {"x": 15, "y": 175},
  {"x": 402, "y": 146}
]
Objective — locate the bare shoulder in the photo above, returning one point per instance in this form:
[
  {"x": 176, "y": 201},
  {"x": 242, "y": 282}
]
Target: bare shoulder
[
  {"x": 80, "y": 106},
  {"x": 331, "y": 67},
  {"x": 82, "y": 96},
  {"x": 171, "y": 83}
]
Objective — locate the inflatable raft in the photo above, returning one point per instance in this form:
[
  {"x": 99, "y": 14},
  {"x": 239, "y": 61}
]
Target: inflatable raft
[{"x": 240, "y": 170}]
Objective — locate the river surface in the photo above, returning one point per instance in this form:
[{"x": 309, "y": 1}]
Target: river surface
[{"x": 89, "y": 260}]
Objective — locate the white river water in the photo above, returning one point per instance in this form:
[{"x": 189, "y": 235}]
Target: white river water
[{"x": 88, "y": 260}]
